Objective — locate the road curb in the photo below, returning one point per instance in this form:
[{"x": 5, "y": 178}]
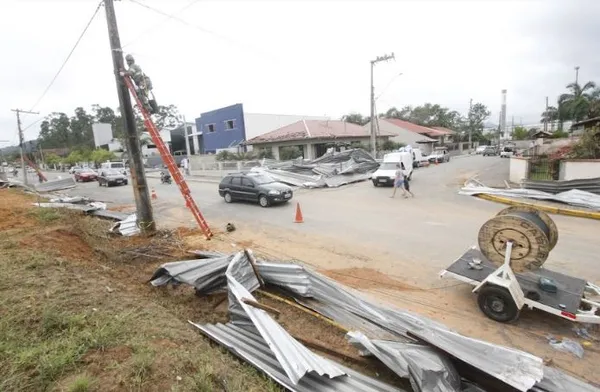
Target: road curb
[{"x": 549, "y": 209}]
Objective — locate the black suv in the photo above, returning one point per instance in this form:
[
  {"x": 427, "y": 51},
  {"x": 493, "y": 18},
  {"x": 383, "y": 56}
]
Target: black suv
[{"x": 255, "y": 187}]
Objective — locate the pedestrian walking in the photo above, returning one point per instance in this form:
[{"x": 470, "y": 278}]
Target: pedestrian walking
[
  {"x": 399, "y": 181},
  {"x": 407, "y": 186},
  {"x": 186, "y": 166}
]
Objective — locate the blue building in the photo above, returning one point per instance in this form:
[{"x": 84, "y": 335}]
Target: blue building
[
  {"x": 222, "y": 128},
  {"x": 227, "y": 128}
]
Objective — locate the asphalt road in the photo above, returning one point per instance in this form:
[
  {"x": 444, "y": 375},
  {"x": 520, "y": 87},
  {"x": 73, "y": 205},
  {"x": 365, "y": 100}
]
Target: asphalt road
[{"x": 429, "y": 231}]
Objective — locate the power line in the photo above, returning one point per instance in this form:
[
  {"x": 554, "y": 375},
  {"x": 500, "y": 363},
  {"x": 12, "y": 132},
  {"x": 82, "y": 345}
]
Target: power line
[
  {"x": 145, "y": 32},
  {"x": 68, "y": 56},
  {"x": 204, "y": 30}
]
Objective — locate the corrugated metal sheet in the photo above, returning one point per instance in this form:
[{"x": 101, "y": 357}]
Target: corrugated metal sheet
[
  {"x": 252, "y": 348},
  {"x": 407, "y": 359},
  {"x": 127, "y": 227},
  {"x": 516, "y": 368},
  {"x": 573, "y": 197},
  {"x": 80, "y": 207},
  {"x": 206, "y": 275},
  {"x": 56, "y": 185},
  {"x": 557, "y": 381},
  {"x": 591, "y": 185},
  {"x": 108, "y": 214},
  {"x": 294, "y": 358}
]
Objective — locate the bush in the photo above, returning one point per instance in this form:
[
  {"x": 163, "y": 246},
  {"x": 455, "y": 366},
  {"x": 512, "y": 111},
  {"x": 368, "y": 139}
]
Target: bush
[
  {"x": 390, "y": 145},
  {"x": 288, "y": 153},
  {"x": 588, "y": 147}
]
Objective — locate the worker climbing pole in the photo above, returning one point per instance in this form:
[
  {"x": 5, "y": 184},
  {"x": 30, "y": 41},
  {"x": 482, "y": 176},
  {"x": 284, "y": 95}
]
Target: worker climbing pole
[{"x": 168, "y": 159}]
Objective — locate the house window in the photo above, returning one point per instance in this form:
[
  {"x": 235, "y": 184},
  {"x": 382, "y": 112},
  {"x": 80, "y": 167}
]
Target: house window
[
  {"x": 229, "y": 125},
  {"x": 210, "y": 127}
]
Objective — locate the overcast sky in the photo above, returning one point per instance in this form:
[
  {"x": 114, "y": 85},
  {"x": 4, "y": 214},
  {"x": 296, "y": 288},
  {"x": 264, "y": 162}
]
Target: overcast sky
[{"x": 300, "y": 57}]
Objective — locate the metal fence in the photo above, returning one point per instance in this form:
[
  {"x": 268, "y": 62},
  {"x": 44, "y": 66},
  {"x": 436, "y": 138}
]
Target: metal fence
[{"x": 542, "y": 168}]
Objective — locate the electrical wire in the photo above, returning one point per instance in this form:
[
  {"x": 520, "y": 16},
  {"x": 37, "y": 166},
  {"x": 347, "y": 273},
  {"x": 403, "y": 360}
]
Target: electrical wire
[
  {"x": 145, "y": 32},
  {"x": 68, "y": 56},
  {"x": 204, "y": 30},
  {"x": 389, "y": 84}
]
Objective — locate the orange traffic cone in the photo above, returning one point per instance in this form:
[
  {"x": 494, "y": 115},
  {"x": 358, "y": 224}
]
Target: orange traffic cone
[
  {"x": 153, "y": 195},
  {"x": 299, "y": 218}
]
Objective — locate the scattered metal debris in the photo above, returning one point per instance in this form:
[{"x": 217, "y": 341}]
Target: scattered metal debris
[
  {"x": 573, "y": 197},
  {"x": 81, "y": 207},
  {"x": 247, "y": 344},
  {"x": 56, "y": 185},
  {"x": 127, "y": 227},
  {"x": 412, "y": 346},
  {"x": 330, "y": 170},
  {"x": 567, "y": 346}
]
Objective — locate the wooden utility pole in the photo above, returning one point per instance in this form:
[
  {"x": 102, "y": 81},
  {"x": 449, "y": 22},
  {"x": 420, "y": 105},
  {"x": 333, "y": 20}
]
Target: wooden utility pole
[
  {"x": 470, "y": 125},
  {"x": 385, "y": 57},
  {"x": 546, "y": 117},
  {"x": 132, "y": 141},
  {"x": 21, "y": 141}
]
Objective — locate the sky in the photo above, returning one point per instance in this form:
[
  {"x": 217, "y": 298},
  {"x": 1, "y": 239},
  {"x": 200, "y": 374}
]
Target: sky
[{"x": 298, "y": 57}]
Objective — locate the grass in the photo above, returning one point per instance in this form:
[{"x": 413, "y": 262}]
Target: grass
[{"x": 61, "y": 329}]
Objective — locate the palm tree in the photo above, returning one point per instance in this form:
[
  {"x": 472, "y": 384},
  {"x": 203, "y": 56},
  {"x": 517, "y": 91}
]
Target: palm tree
[
  {"x": 576, "y": 104},
  {"x": 595, "y": 104},
  {"x": 550, "y": 115}
]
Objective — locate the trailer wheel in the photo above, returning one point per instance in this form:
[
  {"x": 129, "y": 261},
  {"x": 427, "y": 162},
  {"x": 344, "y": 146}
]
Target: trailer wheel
[{"x": 497, "y": 303}]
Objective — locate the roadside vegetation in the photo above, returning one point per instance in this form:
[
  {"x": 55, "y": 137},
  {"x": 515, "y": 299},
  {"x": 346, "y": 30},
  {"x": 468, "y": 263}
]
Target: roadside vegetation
[{"x": 76, "y": 313}]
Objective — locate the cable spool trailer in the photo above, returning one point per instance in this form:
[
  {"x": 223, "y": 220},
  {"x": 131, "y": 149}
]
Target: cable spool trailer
[{"x": 508, "y": 275}]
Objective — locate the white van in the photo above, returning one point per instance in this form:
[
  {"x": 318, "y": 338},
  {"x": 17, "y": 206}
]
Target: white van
[
  {"x": 386, "y": 173},
  {"x": 117, "y": 165}
]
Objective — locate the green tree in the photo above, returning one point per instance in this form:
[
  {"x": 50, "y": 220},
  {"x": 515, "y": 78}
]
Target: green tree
[
  {"x": 55, "y": 131},
  {"x": 288, "y": 153},
  {"x": 81, "y": 129},
  {"x": 576, "y": 104},
  {"x": 550, "y": 116},
  {"x": 390, "y": 145},
  {"x": 100, "y": 155},
  {"x": 74, "y": 158},
  {"x": 52, "y": 159},
  {"x": 520, "y": 133},
  {"x": 355, "y": 118}
]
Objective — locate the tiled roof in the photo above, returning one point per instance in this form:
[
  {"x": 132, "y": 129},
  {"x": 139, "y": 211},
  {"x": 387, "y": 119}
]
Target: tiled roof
[
  {"x": 415, "y": 128},
  {"x": 314, "y": 129},
  {"x": 447, "y": 131}
]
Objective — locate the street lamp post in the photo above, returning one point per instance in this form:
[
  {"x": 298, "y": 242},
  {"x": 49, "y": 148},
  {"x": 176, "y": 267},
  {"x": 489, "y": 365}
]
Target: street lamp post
[{"x": 379, "y": 59}]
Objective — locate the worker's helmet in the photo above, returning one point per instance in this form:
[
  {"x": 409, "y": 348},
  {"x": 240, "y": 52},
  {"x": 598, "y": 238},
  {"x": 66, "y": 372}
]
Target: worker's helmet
[{"x": 129, "y": 58}]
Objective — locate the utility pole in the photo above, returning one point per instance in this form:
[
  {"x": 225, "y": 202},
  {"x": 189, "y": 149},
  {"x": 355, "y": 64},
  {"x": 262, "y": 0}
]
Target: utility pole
[
  {"x": 546, "y": 117},
  {"x": 379, "y": 59},
  {"x": 512, "y": 127},
  {"x": 577, "y": 74},
  {"x": 470, "y": 126},
  {"x": 132, "y": 141},
  {"x": 187, "y": 138},
  {"x": 21, "y": 141}
]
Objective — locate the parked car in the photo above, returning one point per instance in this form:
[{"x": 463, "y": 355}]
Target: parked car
[
  {"x": 480, "y": 149},
  {"x": 110, "y": 177},
  {"x": 507, "y": 152},
  {"x": 439, "y": 155},
  {"x": 489, "y": 151},
  {"x": 85, "y": 175},
  {"x": 73, "y": 169},
  {"x": 256, "y": 187}
]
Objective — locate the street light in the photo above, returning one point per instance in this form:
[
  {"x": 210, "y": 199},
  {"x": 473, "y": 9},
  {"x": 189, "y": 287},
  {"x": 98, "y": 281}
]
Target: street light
[{"x": 379, "y": 59}]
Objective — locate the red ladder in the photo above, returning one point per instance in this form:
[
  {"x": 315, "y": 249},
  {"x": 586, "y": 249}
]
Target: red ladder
[
  {"x": 35, "y": 167},
  {"x": 170, "y": 162}
]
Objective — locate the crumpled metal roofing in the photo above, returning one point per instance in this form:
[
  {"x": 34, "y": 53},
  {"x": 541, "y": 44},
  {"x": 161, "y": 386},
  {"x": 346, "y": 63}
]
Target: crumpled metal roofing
[
  {"x": 252, "y": 348},
  {"x": 294, "y": 357},
  {"x": 127, "y": 227},
  {"x": 573, "y": 197},
  {"x": 516, "y": 368},
  {"x": 557, "y": 381},
  {"x": 56, "y": 185},
  {"x": 206, "y": 275},
  {"x": 407, "y": 360},
  {"x": 333, "y": 169}
]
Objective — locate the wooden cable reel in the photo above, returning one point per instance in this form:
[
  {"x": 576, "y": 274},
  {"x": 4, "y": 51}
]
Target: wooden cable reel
[{"x": 532, "y": 232}]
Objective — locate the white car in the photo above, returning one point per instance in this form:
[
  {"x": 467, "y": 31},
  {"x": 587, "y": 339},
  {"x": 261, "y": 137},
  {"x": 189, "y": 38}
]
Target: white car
[
  {"x": 480, "y": 149},
  {"x": 507, "y": 152}
]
